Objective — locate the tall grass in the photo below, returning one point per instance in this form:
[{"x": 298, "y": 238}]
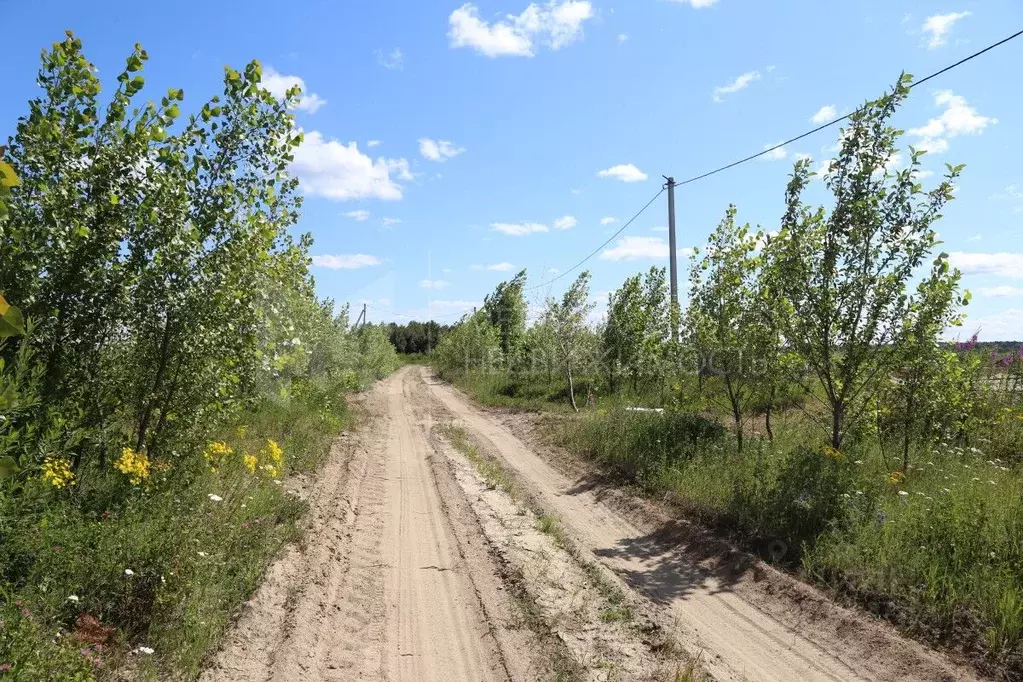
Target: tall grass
[{"x": 94, "y": 578}]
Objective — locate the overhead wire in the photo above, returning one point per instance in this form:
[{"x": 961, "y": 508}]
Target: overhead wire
[
  {"x": 819, "y": 128},
  {"x": 751, "y": 157}
]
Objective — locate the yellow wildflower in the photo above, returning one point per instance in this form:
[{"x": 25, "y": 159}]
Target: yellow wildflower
[
  {"x": 134, "y": 465},
  {"x": 250, "y": 462},
  {"x": 834, "y": 454},
  {"x": 216, "y": 451},
  {"x": 270, "y": 470},
  {"x": 57, "y": 472},
  {"x": 274, "y": 452},
  {"x": 896, "y": 477}
]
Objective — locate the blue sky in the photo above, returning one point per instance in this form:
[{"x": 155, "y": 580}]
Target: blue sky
[{"x": 448, "y": 144}]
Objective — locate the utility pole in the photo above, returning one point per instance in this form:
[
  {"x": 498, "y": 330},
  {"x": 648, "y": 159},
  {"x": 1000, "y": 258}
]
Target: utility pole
[
  {"x": 362, "y": 317},
  {"x": 672, "y": 255}
]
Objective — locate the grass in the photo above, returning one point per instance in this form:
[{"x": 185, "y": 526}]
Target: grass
[
  {"x": 936, "y": 551},
  {"x": 161, "y": 567}
]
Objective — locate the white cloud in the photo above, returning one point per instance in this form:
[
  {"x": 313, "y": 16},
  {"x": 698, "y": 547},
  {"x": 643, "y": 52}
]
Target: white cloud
[
  {"x": 278, "y": 84},
  {"x": 555, "y": 24},
  {"x": 348, "y": 261},
  {"x": 775, "y": 154},
  {"x": 938, "y": 27},
  {"x": 359, "y": 216},
  {"x": 626, "y": 172},
  {"x": 496, "y": 267},
  {"x": 740, "y": 83},
  {"x": 393, "y": 60},
  {"x": 331, "y": 169},
  {"x": 565, "y": 223},
  {"x": 518, "y": 229},
  {"x": 373, "y": 143},
  {"x": 387, "y": 222},
  {"x": 921, "y": 174},
  {"x": 1002, "y": 264},
  {"x": 1006, "y": 325},
  {"x": 697, "y": 4},
  {"x": 622, "y": 37},
  {"x": 826, "y": 113},
  {"x": 999, "y": 291},
  {"x": 608, "y": 220},
  {"x": 432, "y": 284},
  {"x": 958, "y": 118},
  {"x": 438, "y": 150},
  {"x": 803, "y": 157},
  {"x": 640, "y": 248}
]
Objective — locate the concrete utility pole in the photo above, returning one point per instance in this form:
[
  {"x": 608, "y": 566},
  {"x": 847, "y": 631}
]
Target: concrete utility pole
[
  {"x": 361, "y": 320},
  {"x": 672, "y": 248}
]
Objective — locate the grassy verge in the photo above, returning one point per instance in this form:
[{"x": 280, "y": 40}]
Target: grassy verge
[{"x": 97, "y": 579}]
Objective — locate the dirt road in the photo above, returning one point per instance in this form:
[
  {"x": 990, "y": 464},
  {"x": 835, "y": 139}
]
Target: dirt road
[
  {"x": 418, "y": 566},
  {"x": 382, "y": 590}
]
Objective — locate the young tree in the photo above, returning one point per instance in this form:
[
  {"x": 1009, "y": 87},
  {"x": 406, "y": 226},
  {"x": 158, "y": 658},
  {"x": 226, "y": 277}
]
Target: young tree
[
  {"x": 622, "y": 336},
  {"x": 723, "y": 315},
  {"x": 845, "y": 273},
  {"x": 473, "y": 343},
  {"x": 927, "y": 382},
  {"x": 653, "y": 358},
  {"x": 506, "y": 309},
  {"x": 567, "y": 320}
]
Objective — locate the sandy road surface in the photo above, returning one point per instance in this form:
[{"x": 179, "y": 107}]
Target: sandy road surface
[
  {"x": 390, "y": 584},
  {"x": 411, "y": 562},
  {"x": 744, "y": 632}
]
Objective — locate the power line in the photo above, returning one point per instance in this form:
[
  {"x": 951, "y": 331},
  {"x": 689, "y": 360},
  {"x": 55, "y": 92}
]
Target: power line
[
  {"x": 842, "y": 118},
  {"x": 596, "y": 250}
]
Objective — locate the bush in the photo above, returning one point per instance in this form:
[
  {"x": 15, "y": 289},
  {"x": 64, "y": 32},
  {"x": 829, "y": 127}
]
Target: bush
[{"x": 637, "y": 445}]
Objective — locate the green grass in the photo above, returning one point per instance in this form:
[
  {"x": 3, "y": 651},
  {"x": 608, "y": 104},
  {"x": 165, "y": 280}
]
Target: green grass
[{"x": 164, "y": 565}]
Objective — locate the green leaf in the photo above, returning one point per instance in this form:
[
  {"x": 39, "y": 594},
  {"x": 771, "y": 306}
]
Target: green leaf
[
  {"x": 114, "y": 199},
  {"x": 8, "y": 467},
  {"x": 8, "y": 178}
]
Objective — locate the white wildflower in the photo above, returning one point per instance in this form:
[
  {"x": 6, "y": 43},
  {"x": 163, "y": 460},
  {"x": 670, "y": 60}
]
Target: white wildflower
[
  {"x": 216, "y": 498},
  {"x": 73, "y": 598},
  {"x": 128, "y": 571}
]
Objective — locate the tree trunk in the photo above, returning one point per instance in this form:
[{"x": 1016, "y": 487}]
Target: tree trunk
[
  {"x": 767, "y": 414},
  {"x": 837, "y": 413},
  {"x": 571, "y": 389},
  {"x": 147, "y": 411}
]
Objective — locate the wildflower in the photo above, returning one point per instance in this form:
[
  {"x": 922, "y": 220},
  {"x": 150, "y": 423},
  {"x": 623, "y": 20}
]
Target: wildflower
[
  {"x": 217, "y": 451},
  {"x": 202, "y": 554},
  {"x": 134, "y": 465},
  {"x": 903, "y": 493},
  {"x": 992, "y": 482},
  {"x": 834, "y": 454},
  {"x": 145, "y": 650},
  {"x": 275, "y": 453},
  {"x": 896, "y": 477},
  {"x": 270, "y": 470},
  {"x": 129, "y": 572},
  {"x": 73, "y": 598},
  {"x": 215, "y": 498},
  {"x": 57, "y": 472},
  {"x": 250, "y": 462},
  {"x": 4, "y": 667}
]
